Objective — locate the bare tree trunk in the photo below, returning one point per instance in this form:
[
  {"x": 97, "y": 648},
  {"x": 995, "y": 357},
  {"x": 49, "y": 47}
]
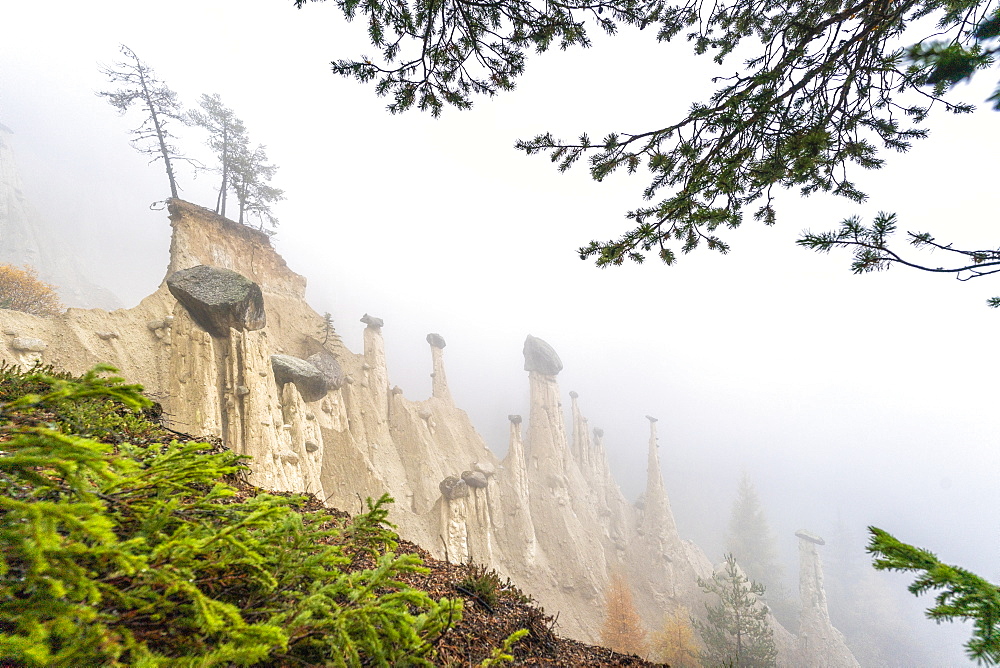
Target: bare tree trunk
[
  {"x": 220, "y": 204},
  {"x": 159, "y": 130}
]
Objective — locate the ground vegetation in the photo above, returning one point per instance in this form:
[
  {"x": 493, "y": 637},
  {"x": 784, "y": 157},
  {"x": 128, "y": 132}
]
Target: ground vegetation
[{"x": 124, "y": 543}]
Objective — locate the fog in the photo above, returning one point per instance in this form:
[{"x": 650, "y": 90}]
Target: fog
[{"x": 860, "y": 399}]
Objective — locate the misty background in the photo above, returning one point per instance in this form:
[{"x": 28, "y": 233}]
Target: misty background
[{"x": 848, "y": 400}]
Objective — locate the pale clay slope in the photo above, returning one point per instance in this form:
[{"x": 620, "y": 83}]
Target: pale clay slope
[{"x": 550, "y": 515}]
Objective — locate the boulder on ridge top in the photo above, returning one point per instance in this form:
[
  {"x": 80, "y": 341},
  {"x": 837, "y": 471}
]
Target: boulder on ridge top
[{"x": 219, "y": 299}]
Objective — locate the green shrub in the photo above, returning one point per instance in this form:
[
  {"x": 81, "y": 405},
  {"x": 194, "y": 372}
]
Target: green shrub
[
  {"x": 483, "y": 583},
  {"x": 139, "y": 554}
]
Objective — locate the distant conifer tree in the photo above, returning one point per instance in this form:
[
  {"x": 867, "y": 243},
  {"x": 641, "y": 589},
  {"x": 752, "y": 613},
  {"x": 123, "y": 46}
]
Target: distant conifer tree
[
  {"x": 751, "y": 540},
  {"x": 622, "y": 630}
]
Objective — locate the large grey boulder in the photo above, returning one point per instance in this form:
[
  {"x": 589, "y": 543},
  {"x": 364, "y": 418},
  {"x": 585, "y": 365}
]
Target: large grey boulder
[
  {"x": 436, "y": 340},
  {"x": 372, "y": 321},
  {"x": 540, "y": 357},
  {"x": 475, "y": 479},
  {"x": 486, "y": 468},
  {"x": 307, "y": 378},
  {"x": 810, "y": 537},
  {"x": 219, "y": 299},
  {"x": 328, "y": 365},
  {"x": 453, "y": 487}
]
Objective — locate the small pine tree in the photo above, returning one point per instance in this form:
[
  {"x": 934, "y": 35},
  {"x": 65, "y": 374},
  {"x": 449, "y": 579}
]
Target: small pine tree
[
  {"x": 327, "y": 331},
  {"x": 622, "y": 630},
  {"x": 22, "y": 290},
  {"x": 227, "y": 137},
  {"x": 249, "y": 178},
  {"x": 737, "y": 632},
  {"x": 675, "y": 643}
]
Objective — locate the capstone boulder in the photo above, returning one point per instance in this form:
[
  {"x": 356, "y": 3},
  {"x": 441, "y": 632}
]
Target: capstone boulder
[
  {"x": 307, "y": 378},
  {"x": 486, "y": 468},
  {"x": 372, "y": 321},
  {"x": 328, "y": 365},
  {"x": 810, "y": 537},
  {"x": 540, "y": 357},
  {"x": 219, "y": 299},
  {"x": 474, "y": 479},
  {"x": 453, "y": 487},
  {"x": 436, "y": 340}
]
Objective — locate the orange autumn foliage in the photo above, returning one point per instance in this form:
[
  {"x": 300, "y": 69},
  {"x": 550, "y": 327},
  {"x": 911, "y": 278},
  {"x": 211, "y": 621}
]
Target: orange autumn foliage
[
  {"x": 675, "y": 643},
  {"x": 622, "y": 630},
  {"x": 22, "y": 290}
]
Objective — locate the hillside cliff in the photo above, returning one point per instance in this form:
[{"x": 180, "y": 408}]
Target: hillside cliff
[
  {"x": 26, "y": 238},
  {"x": 265, "y": 376}
]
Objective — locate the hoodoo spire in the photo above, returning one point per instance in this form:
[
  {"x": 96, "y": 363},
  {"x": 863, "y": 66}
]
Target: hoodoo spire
[
  {"x": 581, "y": 435},
  {"x": 817, "y": 636},
  {"x": 654, "y": 476},
  {"x": 657, "y": 517},
  {"x": 439, "y": 381},
  {"x": 376, "y": 374}
]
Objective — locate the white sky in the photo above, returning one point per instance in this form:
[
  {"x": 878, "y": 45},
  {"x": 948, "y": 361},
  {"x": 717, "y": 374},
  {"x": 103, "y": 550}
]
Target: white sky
[{"x": 870, "y": 397}]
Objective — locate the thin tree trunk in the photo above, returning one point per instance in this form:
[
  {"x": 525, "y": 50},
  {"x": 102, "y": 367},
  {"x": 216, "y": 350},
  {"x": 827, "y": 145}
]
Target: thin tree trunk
[
  {"x": 159, "y": 130},
  {"x": 220, "y": 205}
]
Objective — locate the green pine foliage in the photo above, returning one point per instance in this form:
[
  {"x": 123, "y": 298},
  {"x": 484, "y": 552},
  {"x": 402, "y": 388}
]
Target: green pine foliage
[
  {"x": 736, "y": 631},
  {"x": 145, "y": 553},
  {"x": 810, "y": 94},
  {"x": 962, "y": 595},
  {"x": 502, "y": 655}
]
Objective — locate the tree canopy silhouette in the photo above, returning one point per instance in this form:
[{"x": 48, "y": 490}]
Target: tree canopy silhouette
[{"x": 824, "y": 90}]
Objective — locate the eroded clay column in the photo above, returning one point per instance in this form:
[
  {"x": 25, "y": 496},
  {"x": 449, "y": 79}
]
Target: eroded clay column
[
  {"x": 811, "y": 589},
  {"x": 581, "y": 435},
  {"x": 514, "y": 462},
  {"x": 547, "y": 449},
  {"x": 518, "y": 525},
  {"x": 820, "y": 644},
  {"x": 375, "y": 367},
  {"x": 439, "y": 381},
  {"x": 658, "y": 519}
]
